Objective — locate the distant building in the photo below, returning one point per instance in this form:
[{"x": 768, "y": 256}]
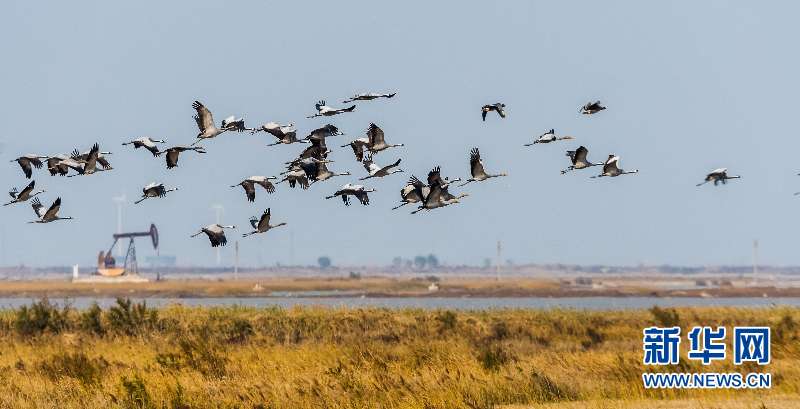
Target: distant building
[{"x": 160, "y": 261}]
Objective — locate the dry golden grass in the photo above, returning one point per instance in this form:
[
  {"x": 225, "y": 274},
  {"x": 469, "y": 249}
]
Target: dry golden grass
[{"x": 179, "y": 357}]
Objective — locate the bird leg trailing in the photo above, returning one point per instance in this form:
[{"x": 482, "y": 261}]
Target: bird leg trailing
[{"x": 401, "y": 205}]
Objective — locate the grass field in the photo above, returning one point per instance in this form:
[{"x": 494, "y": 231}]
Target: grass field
[{"x": 135, "y": 357}]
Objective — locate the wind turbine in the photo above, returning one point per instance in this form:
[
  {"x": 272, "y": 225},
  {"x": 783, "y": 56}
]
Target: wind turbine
[{"x": 120, "y": 201}]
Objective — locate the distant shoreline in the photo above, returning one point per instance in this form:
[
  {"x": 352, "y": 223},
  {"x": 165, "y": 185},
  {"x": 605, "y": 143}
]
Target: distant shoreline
[{"x": 385, "y": 287}]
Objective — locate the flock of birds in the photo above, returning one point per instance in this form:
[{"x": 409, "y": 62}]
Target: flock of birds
[{"x": 308, "y": 168}]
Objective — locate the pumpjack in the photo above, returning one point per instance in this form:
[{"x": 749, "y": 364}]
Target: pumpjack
[{"x": 106, "y": 264}]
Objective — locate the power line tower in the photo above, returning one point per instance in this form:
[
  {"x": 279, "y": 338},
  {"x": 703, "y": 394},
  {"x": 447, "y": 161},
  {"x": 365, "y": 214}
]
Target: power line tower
[
  {"x": 497, "y": 260},
  {"x": 755, "y": 260}
]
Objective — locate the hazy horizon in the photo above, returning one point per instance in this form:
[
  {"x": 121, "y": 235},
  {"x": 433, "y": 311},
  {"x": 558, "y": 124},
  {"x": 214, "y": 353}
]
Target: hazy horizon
[{"x": 689, "y": 87}]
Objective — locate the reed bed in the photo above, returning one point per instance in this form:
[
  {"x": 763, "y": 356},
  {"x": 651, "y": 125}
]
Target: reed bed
[{"x": 134, "y": 356}]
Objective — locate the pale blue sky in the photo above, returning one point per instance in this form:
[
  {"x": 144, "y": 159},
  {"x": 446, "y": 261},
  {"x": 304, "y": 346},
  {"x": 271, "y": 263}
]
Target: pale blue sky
[{"x": 690, "y": 86}]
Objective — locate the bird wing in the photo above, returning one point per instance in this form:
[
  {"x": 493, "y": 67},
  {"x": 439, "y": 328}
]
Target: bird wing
[
  {"x": 611, "y": 165},
  {"x": 91, "y": 158},
  {"x": 475, "y": 163},
  {"x": 52, "y": 162},
  {"x": 418, "y": 186},
  {"x": 387, "y": 167},
  {"x": 28, "y": 189},
  {"x": 249, "y": 190},
  {"x": 37, "y": 207},
  {"x": 362, "y": 196},
  {"x": 52, "y": 212},
  {"x": 500, "y": 110},
  {"x": 375, "y": 135},
  {"x": 367, "y": 161},
  {"x": 435, "y": 194},
  {"x": 263, "y": 224},
  {"x": 204, "y": 118},
  {"x": 172, "y": 158},
  {"x": 267, "y": 185},
  {"x": 580, "y": 154},
  {"x": 25, "y": 164},
  {"x": 483, "y": 113},
  {"x": 104, "y": 163},
  {"x": 435, "y": 177}
]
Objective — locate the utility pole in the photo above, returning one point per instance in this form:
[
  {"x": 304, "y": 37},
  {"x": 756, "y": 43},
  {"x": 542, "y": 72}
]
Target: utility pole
[
  {"x": 119, "y": 200},
  {"x": 497, "y": 261},
  {"x": 755, "y": 260},
  {"x": 236, "y": 261},
  {"x": 291, "y": 248},
  {"x": 218, "y": 209}
]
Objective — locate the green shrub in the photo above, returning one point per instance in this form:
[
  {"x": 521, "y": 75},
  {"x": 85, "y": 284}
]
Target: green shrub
[
  {"x": 40, "y": 317},
  {"x": 131, "y": 318},
  {"x": 594, "y": 338},
  {"x": 202, "y": 355},
  {"x": 238, "y": 331},
  {"x": 92, "y": 320},
  {"x": 74, "y": 365},
  {"x": 135, "y": 395},
  {"x": 665, "y": 317},
  {"x": 492, "y": 357},
  {"x": 448, "y": 320}
]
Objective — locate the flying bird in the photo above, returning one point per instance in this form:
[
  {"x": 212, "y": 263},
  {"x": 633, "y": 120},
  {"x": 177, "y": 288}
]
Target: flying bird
[
  {"x": 28, "y": 160},
  {"x": 233, "y": 123},
  {"x": 147, "y": 143},
  {"x": 409, "y": 194},
  {"x": 718, "y": 176},
  {"x": 24, "y": 194},
  {"x": 89, "y": 161},
  {"x": 154, "y": 190},
  {"x": 61, "y": 164},
  {"x": 358, "y": 145},
  {"x": 611, "y": 168},
  {"x": 377, "y": 141},
  {"x": 215, "y": 233},
  {"x": 317, "y": 170},
  {"x": 377, "y": 171},
  {"x": 295, "y": 176},
  {"x": 261, "y": 225},
  {"x": 324, "y": 110},
  {"x": 174, "y": 152},
  {"x": 250, "y": 183},
  {"x": 437, "y": 195},
  {"x": 592, "y": 108},
  {"x": 286, "y": 134},
  {"x": 320, "y": 134},
  {"x": 498, "y": 107},
  {"x": 205, "y": 122},
  {"x": 347, "y": 190},
  {"x": 578, "y": 159},
  {"x": 476, "y": 168},
  {"x": 99, "y": 158},
  {"x": 369, "y": 96},
  {"x": 48, "y": 216},
  {"x": 547, "y": 137}
]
